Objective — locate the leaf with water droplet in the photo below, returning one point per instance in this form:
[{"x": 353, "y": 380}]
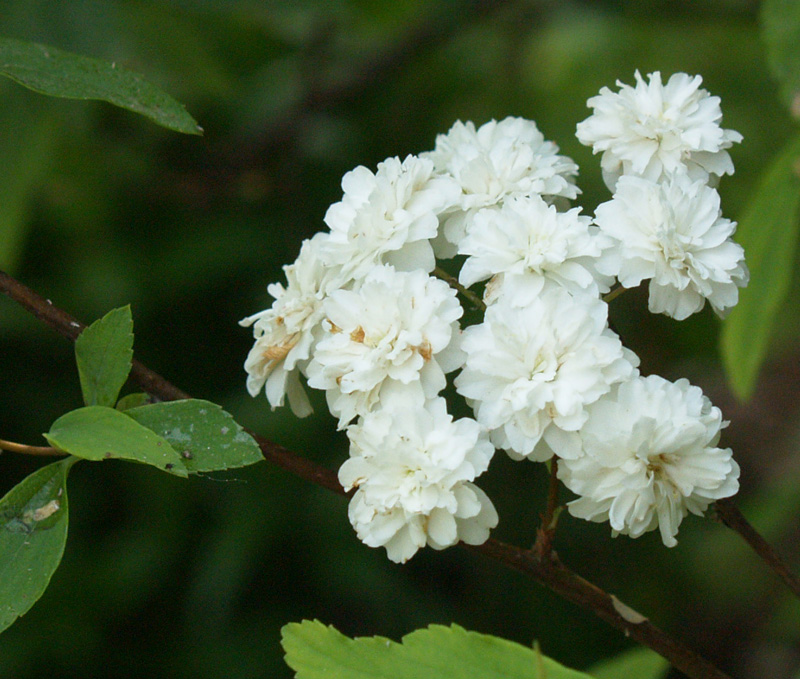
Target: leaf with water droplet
[
  {"x": 101, "y": 433},
  {"x": 33, "y": 532},
  {"x": 207, "y": 438}
]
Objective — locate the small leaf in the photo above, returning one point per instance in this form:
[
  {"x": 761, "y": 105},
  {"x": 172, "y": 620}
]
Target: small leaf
[
  {"x": 638, "y": 662},
  {"x": 33, "y": 532},
  {"x": 315, "y": 651},
  {"x": 104, "y": 352},
  {"x": 101, "y": 433},
  {"x": 207, "y": 438},
  {"x": 133, "y": 401},
  {"x": 768, "y": 232},
  {"x": 61, "y": 74},
  {"x": 780, "y": 23}
]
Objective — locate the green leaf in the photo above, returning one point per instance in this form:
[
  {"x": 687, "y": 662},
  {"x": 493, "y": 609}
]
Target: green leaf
[
  {"x": 102, "y": 433},
  {"x": 207, "y": 437},
  {"x": 768, "y": 232},
  {"x": 316, "y": 651},
  {"x": 104, "y": 352},
  {"x": 638, "y": 662},
  {"x": 133, "y": 401},
  {"x": 33, "y": 532},
  {"x": 780, "y": 23},
  {"x": 61, "y": 74}
]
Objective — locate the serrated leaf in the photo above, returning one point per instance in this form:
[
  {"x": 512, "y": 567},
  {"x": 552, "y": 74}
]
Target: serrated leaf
[
  {"x": 780, "y": 23},
  {"x": 104, "y": 352},
  {"x": 51, "y": 71},
  {"x": 768, "y": 231},
  {"x": 102, "y": 433},
  {"x": 33, "y": 532},
  {"x": 638, "y": 662},
  {"x": 317, "y": 651},
  {"x": 207, "y": 438}
]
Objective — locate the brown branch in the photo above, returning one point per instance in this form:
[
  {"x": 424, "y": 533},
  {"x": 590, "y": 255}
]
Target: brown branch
[
  {"x": 156, "y": 385},
  {"x": 730, "y": 515},
  {"x": 569, "y": 585},
  {"x": 549, "y": 572}
]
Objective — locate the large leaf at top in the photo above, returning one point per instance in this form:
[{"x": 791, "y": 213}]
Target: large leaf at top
[
  {"x": 33, "y": 532},
  {"x": 768, "y": 232},
  {"x": 780, "y": 23},
  {"x": 61, "y": 74},
  {"x": 639, "y": 662},
  {"x": 102, "y": 433},
  {"x": 316, "y": 651},
  {"x": 207, "y": 438},
  {"x": 104, "y": 352}
]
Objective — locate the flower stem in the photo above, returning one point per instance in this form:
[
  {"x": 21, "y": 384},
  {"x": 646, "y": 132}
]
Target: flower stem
[
  {"x": 543, "y": 547},
  {"x": 452, "y": 281},
  {"x": 613, "y": 294},
  {"x": 42, "y": 451}
]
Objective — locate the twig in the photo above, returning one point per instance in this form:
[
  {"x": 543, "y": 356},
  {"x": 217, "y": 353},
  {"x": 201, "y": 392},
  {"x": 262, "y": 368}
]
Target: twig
[
  {"x": 452, "y": 281},
  {"x": 22, "y": 449},
  {"x": 549, "y": 572},
  {"x": 572, "y": 587},
  {"x": 731, "y": 516},
  {"x": 543, "y": 547},
  {"x": 155, "y": 384},
  {"x": 613, "y": 294}
]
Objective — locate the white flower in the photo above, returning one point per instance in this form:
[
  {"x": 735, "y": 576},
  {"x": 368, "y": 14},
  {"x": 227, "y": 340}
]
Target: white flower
[
  {"x": 388, "y": 217},
  {"x": 497, "y": 161},
  {"x": 650, "y": 457},
  {"x": 531, "y": 371},
  {"x": 673, "y": 233},
  {"x": 413, "y": 467},
  {"x": 652, "y": 130},
  {"x": 395, "y": 328},
  {"x": 286, "y": 332},
  {"x": 531, "y": 241}
]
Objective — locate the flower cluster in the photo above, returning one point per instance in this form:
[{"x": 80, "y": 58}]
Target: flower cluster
[
  {"x": 663, "y": 152},
  {"x": 367, "y": 317}
]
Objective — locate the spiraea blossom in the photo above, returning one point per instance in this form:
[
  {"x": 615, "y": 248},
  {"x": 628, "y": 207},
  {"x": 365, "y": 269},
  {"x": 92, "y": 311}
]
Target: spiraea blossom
[
  {"x": 361, "y": 318},
  {"x": 652, "y": 130},
  {"x": 673, "y": 233},
  {"x": 499, "y": 160},
  {"x": 394, "y": 328},
  {"x": 531, "y": 371},
  {"x": 388, "y": 217},
  {"x": 651, "y": 456},
  {"x": 528, "y": 242},
  {"x": 413, "y": 468},
  {"x": 286, "y": 332}
]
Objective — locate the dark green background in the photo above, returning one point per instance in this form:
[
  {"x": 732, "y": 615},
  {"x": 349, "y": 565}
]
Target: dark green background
[{"x": 100, "y": 208}]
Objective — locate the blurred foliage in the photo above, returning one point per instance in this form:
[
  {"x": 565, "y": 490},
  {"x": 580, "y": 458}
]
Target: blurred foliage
[{"x": 99, "y": 208}]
